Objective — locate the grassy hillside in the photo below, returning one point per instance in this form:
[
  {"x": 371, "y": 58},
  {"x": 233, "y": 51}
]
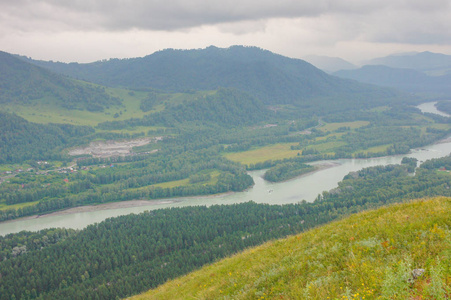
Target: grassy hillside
[{"x": 367, "y": 256}]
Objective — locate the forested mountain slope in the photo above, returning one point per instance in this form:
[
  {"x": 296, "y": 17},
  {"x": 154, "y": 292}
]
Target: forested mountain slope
[
  {"x": 25, "y": 83},
  {"x": 270, "y": 77},
  {"x": 397, "y": 252},
  {"x": 22, "y": 140}
]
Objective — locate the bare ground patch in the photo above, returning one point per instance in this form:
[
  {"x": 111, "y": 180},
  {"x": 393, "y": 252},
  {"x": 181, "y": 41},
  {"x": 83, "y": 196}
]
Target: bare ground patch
[{"x": 112, "y": 148}]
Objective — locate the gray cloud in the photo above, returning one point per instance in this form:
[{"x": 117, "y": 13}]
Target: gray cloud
[
  {"x": 317, "y": 24},
  {"x": 177, "y": 14}
]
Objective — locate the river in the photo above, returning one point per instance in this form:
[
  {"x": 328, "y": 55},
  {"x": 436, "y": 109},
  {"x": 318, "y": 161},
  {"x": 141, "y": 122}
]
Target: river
[{"x": 306, "y": 187}]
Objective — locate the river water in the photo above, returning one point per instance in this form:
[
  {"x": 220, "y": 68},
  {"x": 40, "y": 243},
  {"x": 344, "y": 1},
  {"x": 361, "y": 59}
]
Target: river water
[{"x": 306, "y": 187}]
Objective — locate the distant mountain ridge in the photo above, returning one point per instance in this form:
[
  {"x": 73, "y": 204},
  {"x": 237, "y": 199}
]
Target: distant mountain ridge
[
  {"x": 273, "y": 78},
  {"x": 408, "y": 80},
  {"x": 432, "y": 63}
]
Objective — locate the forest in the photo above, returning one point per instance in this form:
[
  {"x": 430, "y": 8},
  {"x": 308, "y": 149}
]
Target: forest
[{"x": 129, "y": 254}]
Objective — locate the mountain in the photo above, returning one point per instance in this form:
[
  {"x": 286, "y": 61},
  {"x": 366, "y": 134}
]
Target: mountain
[
  {"x": 25, "y": 83},
  {"x": 272, "y": 78},
  {"x": 431, "y": 63},
  {"x": 329, "y": 64},
  {"x": 408, "y": 80},
  {"x": 396, "y": 252}
]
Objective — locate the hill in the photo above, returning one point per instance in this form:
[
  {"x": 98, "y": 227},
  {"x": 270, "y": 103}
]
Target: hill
[
  {"x": 408, "y": 80},
  {"x": 272, "y": 78},
  {"x": 366, "y": 256},
  {"x": 428, "y": 62},
  {"x": 25, "y": 83}
]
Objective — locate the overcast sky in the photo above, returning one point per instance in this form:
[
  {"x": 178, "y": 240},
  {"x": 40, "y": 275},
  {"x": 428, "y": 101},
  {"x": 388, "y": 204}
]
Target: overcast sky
[{"x": 90, "y": 30}]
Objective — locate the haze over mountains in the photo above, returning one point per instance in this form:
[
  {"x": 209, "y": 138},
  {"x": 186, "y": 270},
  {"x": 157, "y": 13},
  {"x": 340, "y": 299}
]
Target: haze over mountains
[
  {"x": 428, "y": 62},
  {"x": 270, "y": 77},
  {"x": 423, "y": 72},
  {"x": 408, "y": 80}
]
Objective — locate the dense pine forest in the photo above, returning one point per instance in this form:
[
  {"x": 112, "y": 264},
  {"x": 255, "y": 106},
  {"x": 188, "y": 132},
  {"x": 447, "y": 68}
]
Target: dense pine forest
[{"x": 129, "y": 254}]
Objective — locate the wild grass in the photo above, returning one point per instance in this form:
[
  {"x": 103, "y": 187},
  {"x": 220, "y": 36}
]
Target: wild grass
[{"x": 366, "y": 256}]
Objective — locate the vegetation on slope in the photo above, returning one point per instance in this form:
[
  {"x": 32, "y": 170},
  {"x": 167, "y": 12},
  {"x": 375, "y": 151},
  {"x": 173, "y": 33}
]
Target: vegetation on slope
[
  {"x": 24, "y": 83},
  {"x": 224, "y": 108},
  {"x": 370, "y": 255}
]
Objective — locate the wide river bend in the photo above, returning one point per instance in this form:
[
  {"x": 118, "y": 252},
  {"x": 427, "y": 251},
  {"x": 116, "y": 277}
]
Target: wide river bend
[{"x": 306, "y": 187}]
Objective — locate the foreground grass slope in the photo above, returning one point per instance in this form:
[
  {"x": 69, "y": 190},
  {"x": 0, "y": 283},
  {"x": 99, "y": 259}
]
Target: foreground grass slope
[{"x": 367, "y": 256}]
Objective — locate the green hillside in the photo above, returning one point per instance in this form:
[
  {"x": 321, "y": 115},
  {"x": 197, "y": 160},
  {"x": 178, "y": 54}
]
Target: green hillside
[
  {"x": 24, "y": 83},
  {"x": 370, "y": 255}
]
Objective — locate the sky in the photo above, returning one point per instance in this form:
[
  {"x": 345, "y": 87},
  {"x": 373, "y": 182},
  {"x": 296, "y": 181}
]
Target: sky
[{"x": 91, "y": 30}]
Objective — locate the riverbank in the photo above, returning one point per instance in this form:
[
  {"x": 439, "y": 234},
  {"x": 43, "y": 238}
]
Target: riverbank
[{"x": 98, "y": 207}]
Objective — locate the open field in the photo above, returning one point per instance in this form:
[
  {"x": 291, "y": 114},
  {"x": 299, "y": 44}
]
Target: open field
[
  {"x": 4, "y": 206},
  {"x": 351, "y": 125},
  {"x": 327, "y": 147},
  {"x": 274, "y": 152},
  {"x": 376, "y": 149}
]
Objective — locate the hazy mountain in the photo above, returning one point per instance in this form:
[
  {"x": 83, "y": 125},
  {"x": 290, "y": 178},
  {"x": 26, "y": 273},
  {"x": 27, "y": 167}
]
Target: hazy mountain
[
  {"x": 432, "y": 63},
  {"x": 270, "y": 77},
  {"x": 404, "y": 79},
  {"x": 22, "y": 83},
  {"x": 329, "y": 64}
]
